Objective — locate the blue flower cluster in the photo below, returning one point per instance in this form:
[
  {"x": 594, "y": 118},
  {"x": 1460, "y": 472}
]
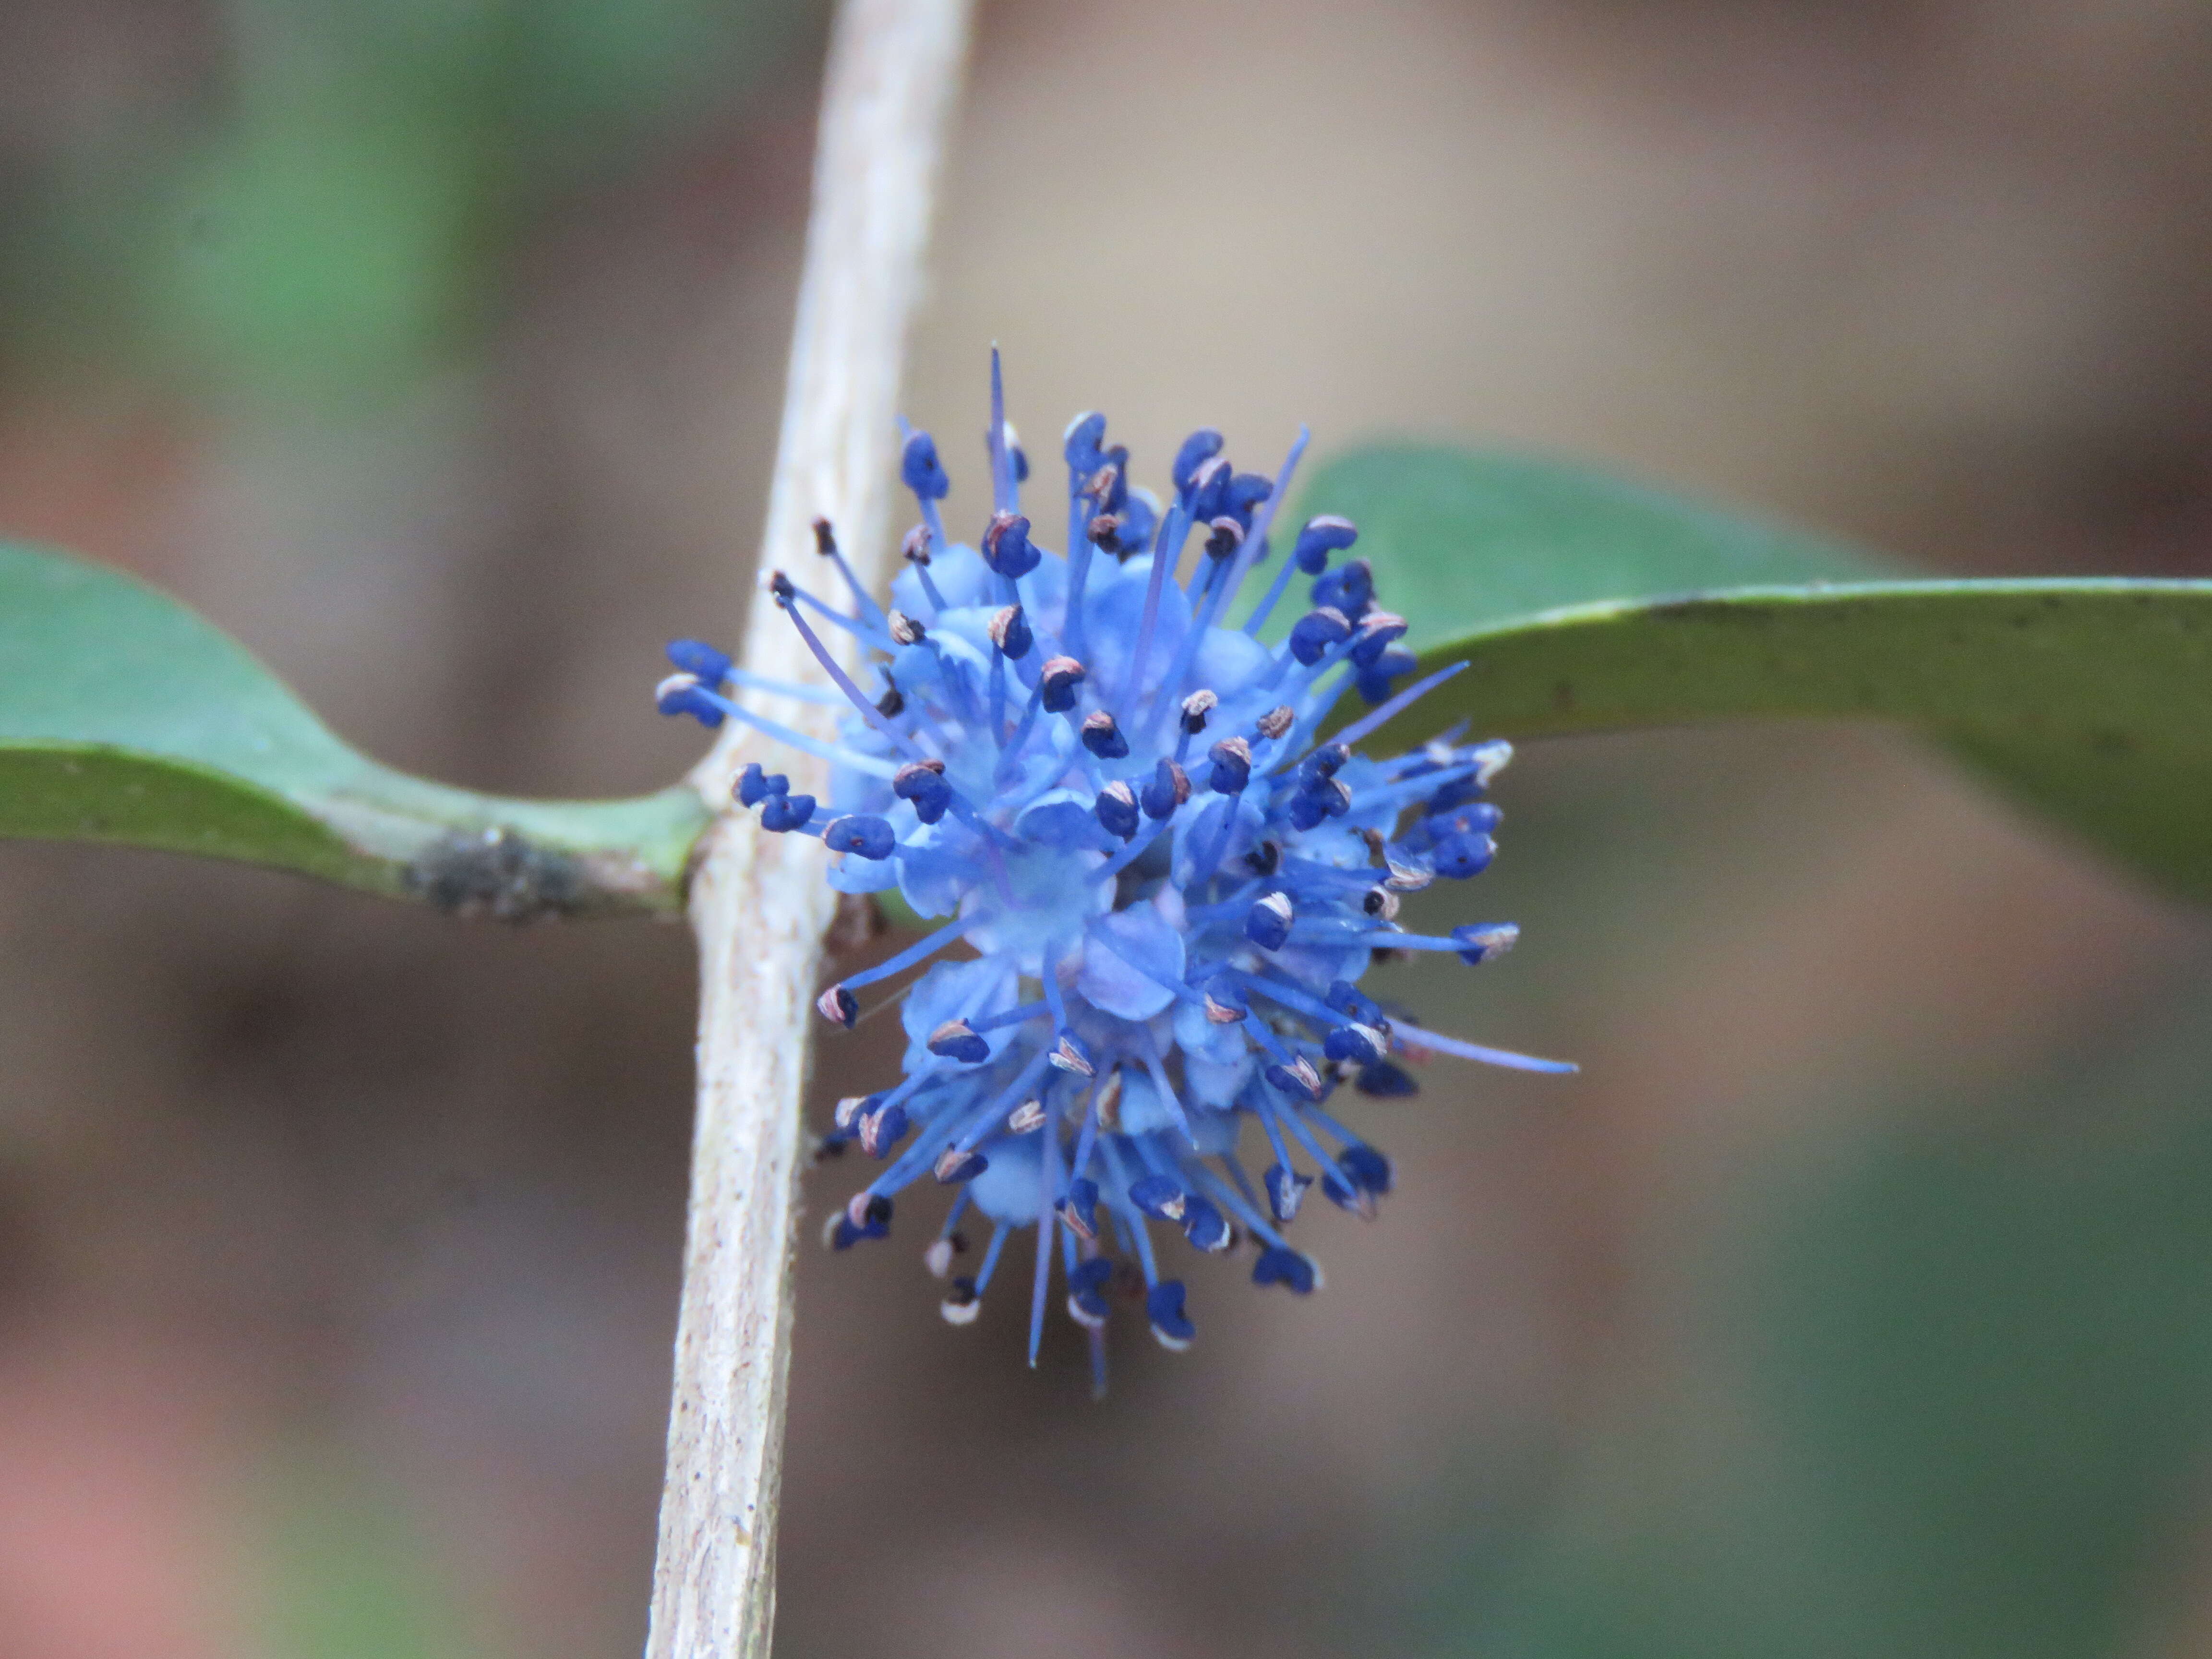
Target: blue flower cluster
[{"x": 1168, "y": 883}]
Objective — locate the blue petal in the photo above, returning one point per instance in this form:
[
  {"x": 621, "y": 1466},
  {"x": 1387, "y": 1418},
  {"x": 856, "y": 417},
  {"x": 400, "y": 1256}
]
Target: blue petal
[
  {"x": 1008, "y": 1190},
  {"x": 1063, "y": 819},
  {"x": 1127, "y": 957}
]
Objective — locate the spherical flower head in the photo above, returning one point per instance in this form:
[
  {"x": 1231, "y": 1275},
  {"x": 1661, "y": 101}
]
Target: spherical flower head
[{"x": 1157, "y": 863}]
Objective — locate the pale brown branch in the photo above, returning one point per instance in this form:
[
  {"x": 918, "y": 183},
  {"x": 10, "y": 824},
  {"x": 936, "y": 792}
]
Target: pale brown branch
[{"x": 758, "y": 902}]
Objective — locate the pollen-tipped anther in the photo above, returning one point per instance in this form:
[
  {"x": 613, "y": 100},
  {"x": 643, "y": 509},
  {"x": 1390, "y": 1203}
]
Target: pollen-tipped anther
[
  {"x": 1010, "y": 631},
  {"x": 1058, "y": 681},
  {"x": 961, "y": 1306},
  {"x": 957, "y": 1164},
  {"x": 1102, "y": 735},
  {"x": 865, "y": 1209},
  {"x": 1232, "y": 766},
  {"x": 1268, "y": 924},
  {"x": 957, "y": 1039}
]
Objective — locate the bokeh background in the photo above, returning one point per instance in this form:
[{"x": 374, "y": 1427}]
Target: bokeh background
[{"x": 1855, "y": 1299}]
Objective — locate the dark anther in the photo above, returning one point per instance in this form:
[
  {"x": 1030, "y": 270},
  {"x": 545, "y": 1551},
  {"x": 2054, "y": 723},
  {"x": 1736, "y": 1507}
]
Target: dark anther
[
  {"x": 1196, "y": 707},
  {"x": 1057, "y": 680},
  {"x": 1363, "y": 1044},
  {"x": 1202, "y": 446},
  {"x": 1168, "y": 788},
  {"x": 1080, "y": 444},
  {"x": 923, "y": 783},
  {"x": 1386, "y": 1081},
  {"x": 1324, "y": 763},
  {"x": 1079, "y": 1209},
  {"x": 1245, "y": 492},
  {"x": 1458, "y": 856},
  {"x": 1116, "y": 809},
  {"x": 955, "y": 1166},
  {"x": 1204, "y": 1225},
  {"x": 825, "y": 538},
  {"x": 1010, "y": 632},
  {"x": 1353, "y": 1003},
  {"x": 779, "y": 587},
  {"x": 1289, "y": 1268},
  {"x": 1286, "y": 1191},
  {"x": 755, "y": 785},
  {"x": 697, "y": 658},
  {"x": 1320, "y": 537},
  {"x": 1164, "y": 1306},
  {"x": 915, "y": 549},
  {"x": 839, "y": 1006},
  {"x": 1378, "y": 631},
  {"x": 1232, "y": 766},
  {"x": 1313, "y": 634},
  {"x": 1228, "y": 536},
  {"x": 1263, "y": 859},
  {"x": 861, "y": 834},
  {"x": 1161, "y": 1197},
  {"x": 1348, "y": 589},
  {"x": 1209, "y": 490},
  {"x": 923, "y": 472},
  {"x": 1103, "y": 737},
  {"x": 956, "y": 1040},
  {"x": 1268, "y": 924},
  {"x": 866, "y": 1209},
  {"x": 782, "y": 814},
  {"x": 1006, "y": 546},
  {"x": 891, "y": 704},
  {"x": 882, "y": 1129}
]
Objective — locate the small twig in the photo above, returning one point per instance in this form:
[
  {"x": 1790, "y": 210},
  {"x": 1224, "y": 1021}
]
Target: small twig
[{"x": 759, "y": 902}]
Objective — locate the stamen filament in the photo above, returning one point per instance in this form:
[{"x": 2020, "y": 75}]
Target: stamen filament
[
  {"x": 928, "y": 946},
  {"x": 1465, "y": 1050}
]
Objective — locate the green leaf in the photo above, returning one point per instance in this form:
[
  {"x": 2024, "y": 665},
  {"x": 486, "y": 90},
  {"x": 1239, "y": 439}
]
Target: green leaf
[
  {"x": 2089, "y": 698},
  {"x": 125, "y": 718},
  {"x": 1463, "y": 540}
]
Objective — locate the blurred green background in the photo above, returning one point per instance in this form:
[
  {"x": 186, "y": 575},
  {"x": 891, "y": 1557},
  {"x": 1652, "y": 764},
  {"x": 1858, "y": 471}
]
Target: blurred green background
[{"x": 1853, "y": 1300}]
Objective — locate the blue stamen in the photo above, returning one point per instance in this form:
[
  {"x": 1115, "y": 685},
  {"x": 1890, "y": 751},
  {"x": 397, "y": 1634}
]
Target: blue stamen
[
  {"x": 1464, "y": 1050},
  {"x": 927, "y": 946},
  {"x": 826, "y": 542}
]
